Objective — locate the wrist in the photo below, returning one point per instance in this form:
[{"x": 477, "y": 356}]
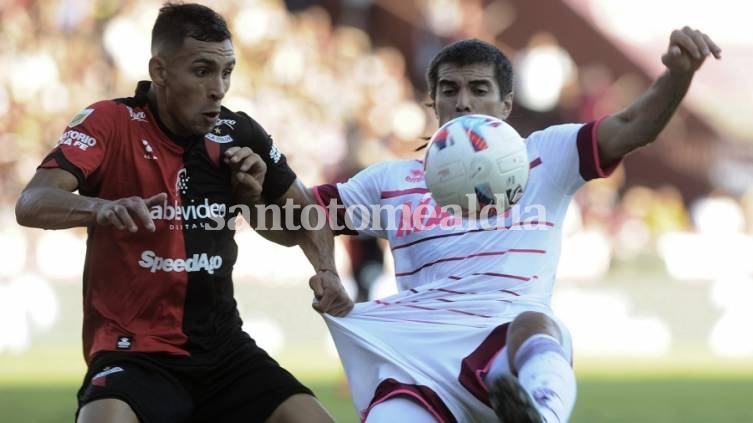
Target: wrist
[
  {"x": 326, "y": 269},
  {"x": 94, "y": 210},
  {"x": 683, "y": 76}
]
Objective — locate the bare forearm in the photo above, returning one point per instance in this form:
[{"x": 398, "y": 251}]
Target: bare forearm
[
  {"x": 651, "y": 112},
  {"x": 52, "y": 208},
  {"x": 644, "y": 119},
  {"x": 319, "y": 248}
]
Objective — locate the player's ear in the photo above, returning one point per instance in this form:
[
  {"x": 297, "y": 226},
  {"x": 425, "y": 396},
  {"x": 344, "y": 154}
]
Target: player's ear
[
  {"x": 433, "y": 104},
  {"x": 158, "y": 70},
  {"x": 507, "y": 105}
]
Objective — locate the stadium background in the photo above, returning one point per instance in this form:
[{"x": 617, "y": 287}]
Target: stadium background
[{"x": 656, "y": 275}]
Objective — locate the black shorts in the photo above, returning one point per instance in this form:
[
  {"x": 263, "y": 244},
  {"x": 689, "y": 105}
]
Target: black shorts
[{"x": 243, "y": 384}]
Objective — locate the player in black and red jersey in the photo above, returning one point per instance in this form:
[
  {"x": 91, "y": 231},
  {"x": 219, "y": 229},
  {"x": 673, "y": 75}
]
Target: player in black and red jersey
[{"x": 156, "y": 173}]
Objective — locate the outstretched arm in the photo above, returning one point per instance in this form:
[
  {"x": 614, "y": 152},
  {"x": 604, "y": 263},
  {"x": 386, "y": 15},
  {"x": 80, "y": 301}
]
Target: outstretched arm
[{"x": 642, "y": 121}]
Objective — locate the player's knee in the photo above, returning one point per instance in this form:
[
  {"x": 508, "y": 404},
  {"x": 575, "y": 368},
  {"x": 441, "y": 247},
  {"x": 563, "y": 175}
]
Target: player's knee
[
  {"x": 531, "y": 323},
  {"x": 526, "y": 325}
]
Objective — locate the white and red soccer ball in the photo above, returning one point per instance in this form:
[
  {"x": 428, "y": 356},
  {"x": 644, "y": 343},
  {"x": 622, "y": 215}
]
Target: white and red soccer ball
[{"x": 475, "y": 161}]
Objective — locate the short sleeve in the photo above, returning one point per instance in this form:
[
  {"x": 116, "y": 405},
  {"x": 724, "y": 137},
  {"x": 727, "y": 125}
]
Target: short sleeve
[
  {"x": 83, "y": 144},
  {"x": 568, "y": 155},
  {"x": 355, "y": 202},
  {"x": 279, "y": 175}
]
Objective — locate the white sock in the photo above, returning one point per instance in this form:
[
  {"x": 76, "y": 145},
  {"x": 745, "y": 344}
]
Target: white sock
[{"x": 546, "y": 375}]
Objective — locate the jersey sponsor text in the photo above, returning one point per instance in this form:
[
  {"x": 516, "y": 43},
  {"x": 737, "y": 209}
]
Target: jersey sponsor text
[
  {"x": 177, "y": 211},
  {"x": 77, "y": 139},
  {"x": 198, "y": 262}
]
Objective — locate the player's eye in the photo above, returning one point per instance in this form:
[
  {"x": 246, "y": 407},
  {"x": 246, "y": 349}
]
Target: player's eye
[
  {"x": 479, "y": 89},
  {"x": 201, "y": 72},
  {"x": 227, "y": 72}
]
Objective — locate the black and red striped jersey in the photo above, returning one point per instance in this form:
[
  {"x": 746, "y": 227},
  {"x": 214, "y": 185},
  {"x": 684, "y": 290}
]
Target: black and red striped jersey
[{"x": 170, "y": 291}]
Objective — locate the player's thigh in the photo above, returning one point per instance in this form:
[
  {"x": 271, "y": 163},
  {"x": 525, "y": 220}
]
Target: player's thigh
[
  {"x": 301, "y": 408},
  {"x": 107, "y": 410},
  {"x": 399, "y": 409},
  {"x": 132, "y": 390},
  {"x": 249, "y": 386}
]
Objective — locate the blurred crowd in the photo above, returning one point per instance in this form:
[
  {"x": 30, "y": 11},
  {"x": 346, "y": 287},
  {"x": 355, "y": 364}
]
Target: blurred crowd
[{"x": 334, "y": 102}]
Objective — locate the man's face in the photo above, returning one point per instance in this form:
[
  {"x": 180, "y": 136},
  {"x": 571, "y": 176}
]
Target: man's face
[
  {"x": 197, "y": 78},
  {"x": 471, "y": 89}
]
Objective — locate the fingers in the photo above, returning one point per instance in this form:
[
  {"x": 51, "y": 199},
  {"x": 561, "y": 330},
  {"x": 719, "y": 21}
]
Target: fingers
[
  {"x": 697, "y": 44},
  {"x": 123, "y": 219},
  {"x": 684, "y": 39},
  {"x": 675, "y": 51},
  {"x": 320, "y": 303},
  {"x": 252, "y": 183},
  {"x": 243, "y": 159},
  {"x": 342, "y": 307},
  {"x": 715, "y": 49},
  {"x": 156, "y": 200},
  {"x": 335, "y": 306},
  {"x": 329, "y": 296},
  {"x": 110, "y": 217},
  {"x": 248, "y": 170},
  {"x": 124, "y": 213},
  {"x": 257, "y": 169},
  {"x": 141, "y": 210}
]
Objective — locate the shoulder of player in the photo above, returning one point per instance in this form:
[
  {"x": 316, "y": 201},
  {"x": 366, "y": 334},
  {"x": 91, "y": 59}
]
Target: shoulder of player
[
  {"x": 563, "y": 130},
  {"x": 238, "y": 122},
  {"x": 239, "y": 126},
  {"x": 105, "y": 109},
  {"x": 394, "y": 169},
  {"x": 387, "y": 166}
]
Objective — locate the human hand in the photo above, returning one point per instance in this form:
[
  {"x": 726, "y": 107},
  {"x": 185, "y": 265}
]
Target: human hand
[
  {"x": 688, "y": 48},
  {"x": 248, "y": 171},
  {"x": 329, "y": 294},
  {"x": 125, "y": 212}
]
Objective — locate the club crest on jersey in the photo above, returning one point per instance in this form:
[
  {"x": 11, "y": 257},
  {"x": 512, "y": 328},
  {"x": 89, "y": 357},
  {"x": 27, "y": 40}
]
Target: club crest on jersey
[
  {"x": 216, "y": 136},
  {"x": 80, "y": 117}
]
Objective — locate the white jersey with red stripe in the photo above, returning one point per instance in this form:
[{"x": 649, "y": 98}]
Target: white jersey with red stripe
[{"x": 459, "y": 279}]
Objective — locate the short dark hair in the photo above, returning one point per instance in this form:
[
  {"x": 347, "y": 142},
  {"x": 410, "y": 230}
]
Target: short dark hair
[
  {"x": 470, "y": 52},
  {"x": 178, "y": 21}
]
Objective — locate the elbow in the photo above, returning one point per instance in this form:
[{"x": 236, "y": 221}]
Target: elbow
[
  {"x": 280, "y": 237},
  {"x": 24, "y": 216},
  {"x": 288, "y": 240},
  {"x": 289, "y": 243}
]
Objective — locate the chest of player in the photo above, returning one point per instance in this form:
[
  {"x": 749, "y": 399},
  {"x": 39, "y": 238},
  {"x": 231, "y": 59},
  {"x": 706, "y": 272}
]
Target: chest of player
[{"x": 144, "y": 162}]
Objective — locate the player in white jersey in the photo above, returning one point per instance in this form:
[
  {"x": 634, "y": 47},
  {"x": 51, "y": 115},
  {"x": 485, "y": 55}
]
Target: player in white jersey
[{"x": 471, "y": 332}]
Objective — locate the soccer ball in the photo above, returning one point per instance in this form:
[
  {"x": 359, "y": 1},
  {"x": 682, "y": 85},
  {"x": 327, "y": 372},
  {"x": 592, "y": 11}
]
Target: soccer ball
[{"x": 475, "y": 161}]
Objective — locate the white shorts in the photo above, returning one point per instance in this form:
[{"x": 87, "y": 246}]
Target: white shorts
[{"x": 434, "y": 343}]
